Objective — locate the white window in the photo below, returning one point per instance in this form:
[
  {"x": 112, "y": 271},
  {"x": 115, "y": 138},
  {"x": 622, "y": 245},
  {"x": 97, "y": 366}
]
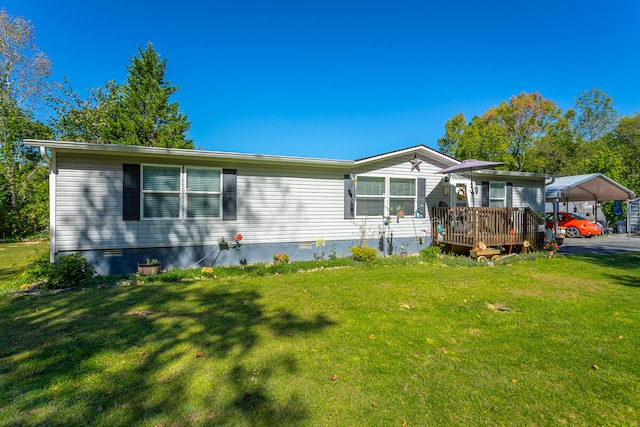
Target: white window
[
  {"x": 370, "y": 196},
  {"x": 497, "y": 195},
  {"x": 161, "y": 191},
  {"x": 164, "y": 196},
  {"x": 402, "y": 196},
  {"x": 381, "y": 196},
  {"x": 204, "y": 190}
]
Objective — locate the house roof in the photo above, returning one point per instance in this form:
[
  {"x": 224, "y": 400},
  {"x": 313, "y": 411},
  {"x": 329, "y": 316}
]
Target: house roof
[
  {"x": 155, "y": 152},
  {"x": 118, "y": 149},
  {"x": 487, "y": 173},
  {"x": 417, "y": 149},
  {"x": 595, "y": 186}
]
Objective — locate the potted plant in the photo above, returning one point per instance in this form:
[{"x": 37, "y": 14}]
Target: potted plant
[{"x": 151, "y": 266}]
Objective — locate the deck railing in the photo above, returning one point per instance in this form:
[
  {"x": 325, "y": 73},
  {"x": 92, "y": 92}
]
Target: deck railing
[{"x": 493, "y": 226}]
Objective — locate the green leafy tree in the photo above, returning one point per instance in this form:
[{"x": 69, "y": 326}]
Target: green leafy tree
[
  {"x": 627, "y": 147},
  {"x": 595, "y": 115},
  {"x": 86, "y": 120},
  {"x": 523, "y": 120},
  {"x": 143, "y": 113},
  {"x": 24, "y": 81}
]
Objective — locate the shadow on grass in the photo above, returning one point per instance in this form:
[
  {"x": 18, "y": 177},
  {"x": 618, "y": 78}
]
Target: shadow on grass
[
  {"x": 629, "y": 262},
  {"x": 122, "y": 356}
]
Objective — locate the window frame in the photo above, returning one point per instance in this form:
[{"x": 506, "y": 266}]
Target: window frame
[
  {"x": 381, "y": 197},
  {"x": 187, "y": 192},
  {"x": 386, "y": 197},
  {"x": 503, "y": 199},
  {"x": 183, "y": 192}
]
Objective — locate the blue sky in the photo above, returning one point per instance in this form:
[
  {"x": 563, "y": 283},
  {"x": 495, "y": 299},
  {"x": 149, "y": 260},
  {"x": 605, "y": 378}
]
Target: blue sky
[{"x": 345, "y": 79}]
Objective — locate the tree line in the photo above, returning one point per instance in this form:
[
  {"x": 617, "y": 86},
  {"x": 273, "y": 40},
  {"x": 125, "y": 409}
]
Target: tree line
[
  {"x": 527, "y": 132},
  {"x": 136, "y": 112}
]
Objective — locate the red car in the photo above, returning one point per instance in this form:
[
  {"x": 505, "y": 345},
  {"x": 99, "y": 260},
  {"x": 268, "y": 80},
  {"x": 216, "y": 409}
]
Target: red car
[{"x": 575, "y": 224}]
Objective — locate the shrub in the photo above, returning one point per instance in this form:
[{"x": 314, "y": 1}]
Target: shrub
[
  {"x": 431, "y": 252},
  {"x": 66, "y": 272},
  {"x": 69, "y": 271},
  {"x": 363, "y": 253}
]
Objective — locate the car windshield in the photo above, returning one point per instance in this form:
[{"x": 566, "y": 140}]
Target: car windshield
[{"x": 576, "y": 216}]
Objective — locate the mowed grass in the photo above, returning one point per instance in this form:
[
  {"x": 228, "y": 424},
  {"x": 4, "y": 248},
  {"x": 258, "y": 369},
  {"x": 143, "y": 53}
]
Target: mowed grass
[
  {"x": 14, "y": 258},
  {"x": 546, "y": 342}
]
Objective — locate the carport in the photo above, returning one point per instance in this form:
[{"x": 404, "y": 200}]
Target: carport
[{"x": 583, "y": 188}]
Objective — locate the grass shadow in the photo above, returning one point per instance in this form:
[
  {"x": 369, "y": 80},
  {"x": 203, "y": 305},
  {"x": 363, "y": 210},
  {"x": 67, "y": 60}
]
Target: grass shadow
[{"x": 107, "y": 347}]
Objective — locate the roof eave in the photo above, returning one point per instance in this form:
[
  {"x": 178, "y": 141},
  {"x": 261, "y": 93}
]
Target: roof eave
[{"x": 155, "y": 152}]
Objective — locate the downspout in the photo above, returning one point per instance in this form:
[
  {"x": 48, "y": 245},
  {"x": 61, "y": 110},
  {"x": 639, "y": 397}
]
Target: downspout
[{"x": 53, "y": 171}]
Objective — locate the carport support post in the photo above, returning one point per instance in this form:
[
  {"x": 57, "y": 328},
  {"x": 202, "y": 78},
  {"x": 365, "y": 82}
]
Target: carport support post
[{"x": 628, "y": 222}]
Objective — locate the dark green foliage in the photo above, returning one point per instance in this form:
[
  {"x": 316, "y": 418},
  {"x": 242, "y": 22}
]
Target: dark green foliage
[
  {"x": 431, "y": 252},
  {"x": 142, "y": 114},
  {"x": 68, "y": 271},
  {"x": 363, "y": 253}
]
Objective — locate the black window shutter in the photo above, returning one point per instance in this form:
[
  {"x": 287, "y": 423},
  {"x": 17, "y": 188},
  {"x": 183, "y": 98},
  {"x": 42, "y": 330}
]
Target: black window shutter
[
  {"x": 349, "y": 197},
  {"x": 485, "y": 193},
  {"x": 130, "y": 192},
  {"x": 509, "y": 194},
  {"x": 229, "y": 194},
  {"x": 422, "y": 196}
]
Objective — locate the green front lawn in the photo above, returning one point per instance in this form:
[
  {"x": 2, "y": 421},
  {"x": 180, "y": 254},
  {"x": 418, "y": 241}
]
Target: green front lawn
[
  {"x": 547, "y": 342},
  {"x": 14, "y": 258}
]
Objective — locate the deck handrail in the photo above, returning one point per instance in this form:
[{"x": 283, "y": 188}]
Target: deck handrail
[{"x": 465, "y": 226}]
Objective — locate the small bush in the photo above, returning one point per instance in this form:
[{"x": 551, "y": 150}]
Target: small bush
[
  {"x": 363, "y": 253},
  {"x": 431, "y": 252},
  {"x": 69, "y": 271},
  {"x": 66, "y": 272}
]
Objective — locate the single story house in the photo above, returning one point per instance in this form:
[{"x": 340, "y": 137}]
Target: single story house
[{"x": 118, "y": 205}]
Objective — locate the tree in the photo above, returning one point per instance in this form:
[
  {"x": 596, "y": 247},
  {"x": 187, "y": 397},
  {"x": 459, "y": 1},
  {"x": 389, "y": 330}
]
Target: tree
[
  {"x": 595, "y": 116},
  {"x": 24, "y": 70},
  {"x": 86, "y": 120},
  {"x": 23, "y": 179},
  {"x": 523, "y": 120},
  {"x": 24, "y": 81},
  {"x": 627, "y": 147},
  {"x": 142, "y": 114}
]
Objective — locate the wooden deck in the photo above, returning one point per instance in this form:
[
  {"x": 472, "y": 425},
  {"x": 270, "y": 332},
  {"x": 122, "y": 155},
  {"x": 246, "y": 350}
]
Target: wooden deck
[{"x": 493, "y": 226}]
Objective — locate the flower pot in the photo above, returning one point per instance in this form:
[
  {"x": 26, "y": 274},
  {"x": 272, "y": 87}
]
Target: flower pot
[{"x": 149, "y": 269}]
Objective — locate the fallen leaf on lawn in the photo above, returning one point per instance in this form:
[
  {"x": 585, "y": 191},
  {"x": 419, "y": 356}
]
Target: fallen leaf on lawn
[
  {"x": 373, "y": 337},
  {"x": 166, "y": 380},
  {"x": 334, "y": 377},
  {"x": 404, "y": 423},
  {"x": 373, "y": 403},
  {"x": 100, "y": 408},
  {"x": 143, "y": 352},
  {"x": 289, "y": 334},
  {"x": 620, "y": 337},
  {"x": 595, "y": 367},
  {"x": 55, "y": 387},
  {"x": 514, "y": 380},
  {"x": 199, "y": 354},
  {"x": 256, "y": 372}
]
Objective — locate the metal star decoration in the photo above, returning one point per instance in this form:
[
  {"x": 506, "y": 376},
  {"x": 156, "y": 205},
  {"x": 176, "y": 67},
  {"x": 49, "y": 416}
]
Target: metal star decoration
[{"x": 415, "y": 163}]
